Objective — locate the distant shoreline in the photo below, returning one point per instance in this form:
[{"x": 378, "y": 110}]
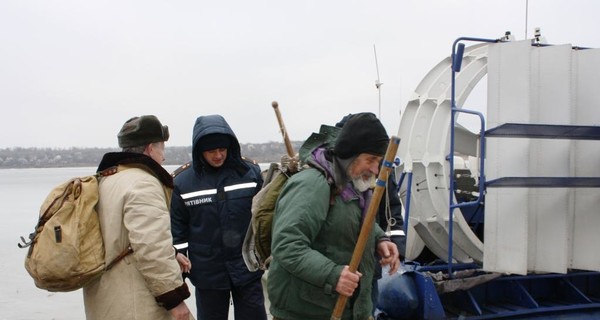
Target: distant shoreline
[{"x": 11, "y": 158}]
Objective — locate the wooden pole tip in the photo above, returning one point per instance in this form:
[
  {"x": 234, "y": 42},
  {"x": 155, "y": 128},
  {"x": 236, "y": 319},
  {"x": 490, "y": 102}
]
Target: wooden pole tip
[{"x": 274, "y": 104}]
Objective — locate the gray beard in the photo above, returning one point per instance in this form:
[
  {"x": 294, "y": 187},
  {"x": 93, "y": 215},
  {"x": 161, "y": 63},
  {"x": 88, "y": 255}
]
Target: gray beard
[{"x": 362, "y": 185}]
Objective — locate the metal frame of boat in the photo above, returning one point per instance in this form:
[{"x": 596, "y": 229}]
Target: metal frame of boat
[{"x": 466, "y": 284}]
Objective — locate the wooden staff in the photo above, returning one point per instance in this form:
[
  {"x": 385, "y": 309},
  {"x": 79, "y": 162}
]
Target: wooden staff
[
  {"x": 369, "y": 219},
  {"x": 286, "y": 138}
]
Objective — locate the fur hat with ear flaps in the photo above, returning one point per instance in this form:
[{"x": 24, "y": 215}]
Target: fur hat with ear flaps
[
  {"x": 361, "y": 133},
  {"x": 139, "y": 131}
]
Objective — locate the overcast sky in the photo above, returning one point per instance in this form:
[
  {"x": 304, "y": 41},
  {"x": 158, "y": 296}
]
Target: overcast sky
[{"x": 71, "y": 72}]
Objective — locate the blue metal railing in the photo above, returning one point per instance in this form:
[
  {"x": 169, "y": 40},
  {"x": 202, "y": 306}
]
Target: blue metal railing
[{"x": 457, "y": 55}]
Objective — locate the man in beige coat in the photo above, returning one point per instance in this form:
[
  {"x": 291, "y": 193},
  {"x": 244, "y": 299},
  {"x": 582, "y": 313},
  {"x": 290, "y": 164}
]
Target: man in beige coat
[{"x": 133, "y": 211}]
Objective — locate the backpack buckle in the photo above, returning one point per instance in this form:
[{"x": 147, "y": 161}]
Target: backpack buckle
[{"x": 26, "y": 243}]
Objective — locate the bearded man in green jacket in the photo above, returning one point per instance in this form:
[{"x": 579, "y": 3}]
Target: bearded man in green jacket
[{"x": 317, "y": 221}]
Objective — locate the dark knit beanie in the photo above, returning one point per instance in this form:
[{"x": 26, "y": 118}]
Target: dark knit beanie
[
  {"x": 214, "y": 141},
  {"x": 345, "y": 119},
  {"x": 361, "y": 133},
  {"x": 140, "y": 131}
]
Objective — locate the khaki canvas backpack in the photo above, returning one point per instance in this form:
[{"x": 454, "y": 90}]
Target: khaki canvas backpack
[
  {"x": 66, "y": 250},
  {"x": 256, "y": 249}
]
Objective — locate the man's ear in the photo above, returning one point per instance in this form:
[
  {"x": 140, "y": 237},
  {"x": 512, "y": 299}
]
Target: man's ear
[{"x": 148, "y": 149}]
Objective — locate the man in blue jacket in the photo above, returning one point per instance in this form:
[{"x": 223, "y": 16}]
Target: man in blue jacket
[{"x": 210, "y": 214}]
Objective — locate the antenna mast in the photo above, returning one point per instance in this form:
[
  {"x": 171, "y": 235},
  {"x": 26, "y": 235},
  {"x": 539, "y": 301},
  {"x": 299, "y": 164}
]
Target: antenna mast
[
  {"x": 526, "y": 16},
  {"x": 377, "y": 82}
]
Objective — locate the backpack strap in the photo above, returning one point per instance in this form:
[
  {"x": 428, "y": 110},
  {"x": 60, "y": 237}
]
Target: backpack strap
[
  {"x": 108, "y": 171},
  {"x": 120, "y": 257},
  {"x": 105, "y": 173}
]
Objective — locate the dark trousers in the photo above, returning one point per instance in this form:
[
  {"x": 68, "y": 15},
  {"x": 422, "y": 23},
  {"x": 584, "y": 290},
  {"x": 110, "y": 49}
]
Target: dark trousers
[{"x": 248, "y": 303}]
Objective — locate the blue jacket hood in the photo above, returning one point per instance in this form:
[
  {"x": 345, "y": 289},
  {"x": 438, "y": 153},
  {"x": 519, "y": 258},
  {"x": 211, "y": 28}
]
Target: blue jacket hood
[{"x": 212, "y": 124}]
